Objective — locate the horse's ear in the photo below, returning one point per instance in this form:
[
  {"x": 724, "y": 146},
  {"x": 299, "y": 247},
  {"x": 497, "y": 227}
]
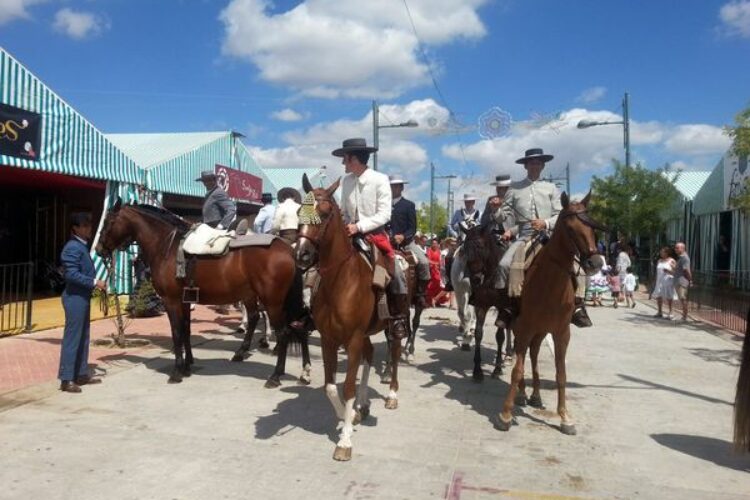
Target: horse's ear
[
  {"x": 306, "y": 183},
  {"x": 586, "y": 199},
  {"x": 117, "y": 205},
  {"x": 333, "y": 187},
  {"x": 564, "y": 200}
]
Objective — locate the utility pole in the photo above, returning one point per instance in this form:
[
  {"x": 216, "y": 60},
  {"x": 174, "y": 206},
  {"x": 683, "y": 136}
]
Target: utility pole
[
  {"x": 375, "y": 132},
  {"x": 432, "y": 196},
  {"x": 449, "y": 197},
  {"x": 626, "y": 126}
]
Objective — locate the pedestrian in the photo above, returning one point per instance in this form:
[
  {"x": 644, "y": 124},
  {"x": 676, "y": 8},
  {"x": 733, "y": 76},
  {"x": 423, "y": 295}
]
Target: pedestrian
[
  {"x": 664, "y": 288},
  {"x": 683, "y": 277},
  {"x": 629, "y": 285},
  {"x": 614, "y": 286},
  {"x": 263, "y": 223},
  {"x": 435, "y": 292},
  {"x": 80, "y": 281},
  {"x": 598, "y": 285},
  {"x": 623, "y": 261},
  {"x": 285, "y": 219}
]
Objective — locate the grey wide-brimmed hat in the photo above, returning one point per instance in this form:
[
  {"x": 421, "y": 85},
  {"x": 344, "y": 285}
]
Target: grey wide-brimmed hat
[
  {"x": 534, "y": 154},
  {"x": 501, "y": 181},
  {"x": 352, "y": 145},
  {"x": 469, "y": 197},
  {"x": 396, "y": 179},
  {"x": 206, "y": 175}
]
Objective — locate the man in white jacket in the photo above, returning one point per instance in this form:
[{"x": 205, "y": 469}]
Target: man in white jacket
[
  {"x": 366, "y": 208},
  {"x": 285, "y": 218}
]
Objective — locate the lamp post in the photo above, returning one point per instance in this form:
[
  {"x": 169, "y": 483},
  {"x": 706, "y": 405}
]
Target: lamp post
[
  {"x": 625, "y": 122},
  {"x": 376, "y": 130},
  {"x": 432, "y": 195}
]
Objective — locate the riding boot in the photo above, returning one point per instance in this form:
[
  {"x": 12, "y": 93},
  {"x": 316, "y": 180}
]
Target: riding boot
[
  {"x": 507, "y": 309},
  {"x": 580, "y": 316},
  {"x": 448, "y": 266},
  {"x": 421, "y": 292},
  {"x": 399, "y": 308}
]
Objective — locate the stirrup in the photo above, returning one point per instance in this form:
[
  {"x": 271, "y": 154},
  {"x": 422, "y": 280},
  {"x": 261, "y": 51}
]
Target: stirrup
[{"x": 581, "y": 318}]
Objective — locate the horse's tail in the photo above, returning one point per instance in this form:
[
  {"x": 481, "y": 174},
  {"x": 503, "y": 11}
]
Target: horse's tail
[
  {"x": 295, "y": 309},
  {"x": 742, "y": 398}
]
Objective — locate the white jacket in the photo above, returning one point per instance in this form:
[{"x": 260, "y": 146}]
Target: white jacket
[
  {"x": 285, "y": 216},
  {"x": 366, "y": 200}
]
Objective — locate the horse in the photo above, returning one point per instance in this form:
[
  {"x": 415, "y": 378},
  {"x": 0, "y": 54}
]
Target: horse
[
  {"x": 462, "y": 290},
  {"x": 246, "y": 275},
  {"x": 416, "y": 318},
  {"x": 547, "y": 303},
  {"x": 482, "y": 253},
  {"x": 742, "y": 397},
  {"x": 343, "y": 308}
]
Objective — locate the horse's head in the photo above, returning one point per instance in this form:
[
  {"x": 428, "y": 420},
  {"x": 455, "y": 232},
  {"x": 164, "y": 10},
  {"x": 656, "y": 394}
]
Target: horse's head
[
  {"x": 116, "y": 233},
  {"x": 476, "y": 250},
  {"x": 579, "y": 229},
  {"x": 317, "y": 210}
]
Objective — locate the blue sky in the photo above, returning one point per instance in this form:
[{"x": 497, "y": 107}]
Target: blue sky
[{"x": 298, "y": 77}]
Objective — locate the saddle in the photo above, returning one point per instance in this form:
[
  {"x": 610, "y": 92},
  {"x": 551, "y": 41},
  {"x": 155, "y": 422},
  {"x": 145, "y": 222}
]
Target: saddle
[{"x": 522, "y": 260}]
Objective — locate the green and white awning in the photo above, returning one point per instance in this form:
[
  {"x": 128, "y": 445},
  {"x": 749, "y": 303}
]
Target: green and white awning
[{"x": 69, "y": 144}]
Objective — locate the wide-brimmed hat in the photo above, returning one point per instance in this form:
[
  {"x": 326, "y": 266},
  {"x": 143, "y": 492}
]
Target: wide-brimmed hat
[
  {"x": 206, "y": 175},
  {"x": 266, "y": 197},
  {"x": 469, "y": 197},
  {"x": 352, "y": 145},
  {"x": 501, "y": 181},
  {"x": 534, "y": 154},
  {"x": 396, "y": 179},
  {"x": 289, "y": 192}
]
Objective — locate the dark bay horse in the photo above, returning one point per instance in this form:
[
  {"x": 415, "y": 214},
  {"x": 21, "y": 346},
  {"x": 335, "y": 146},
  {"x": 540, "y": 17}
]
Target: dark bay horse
[
  {"x": 247, "y": 275},
  {"x": 547, "y": 303},
  {"x": 343, "y": 308}
]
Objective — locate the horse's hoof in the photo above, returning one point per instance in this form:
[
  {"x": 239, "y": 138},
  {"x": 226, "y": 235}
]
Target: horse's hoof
[
  {"x": 238, "y": 358},
  {"x": 391, "y": 404},
  {"x": 303, "y": 380},
  {"x": 175, "y": 378},
  {"x": 478, "y": 375},
  {"x": 465, "y": 346},
  {"x": 536, "y": 402},
  {"x": 342, "y": 454},
  {"x": 520, "y": 400},
  {"x": 186, "y": 372},
  {"x": 272, "y": 383},
  {"x": 502, "y": 424},
  {"x": 568, "y": 429},
  {"x": 497, "y": 372},
  {"x": 240, "y": 330},
  {"x": 263, "y": 344},
  {"x": 361, "y": 414}
]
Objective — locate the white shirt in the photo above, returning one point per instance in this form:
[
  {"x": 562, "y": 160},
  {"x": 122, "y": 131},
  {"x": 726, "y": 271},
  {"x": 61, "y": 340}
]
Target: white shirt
[
  {"x": 629, "y": 283},
  {"x": 285, "y": 216},
  {"x": 366, "y": 200}
]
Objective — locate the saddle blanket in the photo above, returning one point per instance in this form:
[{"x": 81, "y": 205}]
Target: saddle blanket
[
  {"x": 522, "y": 259},
  {"x": 205, "y": 240}
]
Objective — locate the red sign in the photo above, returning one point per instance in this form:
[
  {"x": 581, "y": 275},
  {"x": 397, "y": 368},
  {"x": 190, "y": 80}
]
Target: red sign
[{"x": 239, "y": 185}]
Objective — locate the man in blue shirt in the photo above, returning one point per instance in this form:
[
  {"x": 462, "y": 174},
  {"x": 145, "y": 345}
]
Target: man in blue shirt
[{"x": 264, "y": 220}]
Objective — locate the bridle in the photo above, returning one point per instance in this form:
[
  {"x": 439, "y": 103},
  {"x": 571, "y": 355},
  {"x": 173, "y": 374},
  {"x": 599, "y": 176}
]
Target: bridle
[
  {"x": 302, "y": 234},
  {"x": 582, "y": 215}
]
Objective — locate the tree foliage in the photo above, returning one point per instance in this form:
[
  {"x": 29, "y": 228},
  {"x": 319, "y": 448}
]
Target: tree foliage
[
  {"x": 634, "y": 200},
  {"x": 740, "y": 135},
  {"x": 440, "y": 221}
]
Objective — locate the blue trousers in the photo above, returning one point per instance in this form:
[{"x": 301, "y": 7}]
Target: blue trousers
[{"x": 74, "y": 353}]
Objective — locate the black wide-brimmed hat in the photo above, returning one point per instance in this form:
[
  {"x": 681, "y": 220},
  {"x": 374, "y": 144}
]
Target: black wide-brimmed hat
[
  {"x": 289, "y": 192},
  {"x": 353, "y": 145},
  {"x": 206, "y": 175},
  {"x": 534, "y": 154},
  {"x": 266, "y": 197},
  {"x": 501, "y": 181}
]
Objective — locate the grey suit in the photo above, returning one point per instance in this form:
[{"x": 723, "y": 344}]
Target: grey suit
[
  {"x": 525, "y": 201},
  {"x": 218, "y": 209}
]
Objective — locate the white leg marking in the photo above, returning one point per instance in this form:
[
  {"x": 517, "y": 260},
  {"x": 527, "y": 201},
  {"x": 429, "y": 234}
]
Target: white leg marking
[
  {"x": 345, "y": 440},
  {"x": 363, "y": 398},
  {"x": 333, "y": 396},
  {"x": 306, "y": 373},
  {"x": 392, "y": 394}
]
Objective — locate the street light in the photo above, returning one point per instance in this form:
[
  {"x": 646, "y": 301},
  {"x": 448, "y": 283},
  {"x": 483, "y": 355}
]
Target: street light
[
  {"x": 376, "y": 128},
  {"x": 625, "y": 122}
]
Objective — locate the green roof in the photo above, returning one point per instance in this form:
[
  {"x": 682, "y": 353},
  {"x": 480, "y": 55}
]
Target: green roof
[
  {"x": 688, "y": 183},
  {"x": 150, "y": 150},
  {"x": 292, "y": 177}
]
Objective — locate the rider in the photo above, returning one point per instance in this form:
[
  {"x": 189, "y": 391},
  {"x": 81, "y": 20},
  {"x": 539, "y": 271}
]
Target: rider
[
  {"x": 535, "y": 205},
  {"x": 403, "y": 227},
  {"x": 501, "y": 183},
  {"x": 285, "y": 218},
  {"x": 366, "y": 208},
  {"x": 467, "y": 213},
  {"x": 218, "y": 209}
]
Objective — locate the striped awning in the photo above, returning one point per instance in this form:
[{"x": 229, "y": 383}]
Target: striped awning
[{"x": 69, "y": 143}]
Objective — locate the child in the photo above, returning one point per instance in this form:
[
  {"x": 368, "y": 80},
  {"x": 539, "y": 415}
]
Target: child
[
  {"x": 597, "y": 286},
  {"x": 614, "y": 286},
  {"x": 629, "y": 285}
]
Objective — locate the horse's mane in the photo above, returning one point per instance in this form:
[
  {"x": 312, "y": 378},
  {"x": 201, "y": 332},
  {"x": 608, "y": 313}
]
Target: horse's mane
[
  {"x": 488, "y": 253},
  {"x": 163, "y": 215}
]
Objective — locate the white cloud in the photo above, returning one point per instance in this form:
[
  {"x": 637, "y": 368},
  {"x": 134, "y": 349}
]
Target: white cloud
[
  {"x": 356, "y": 48},
  {"x": 78, "y": 25},
  {"x": 287, "y": 115},
  {"x": 736, "y": 18},
  {"x": 591, "y": 95},
  {"x": 697, "y": 140},
  {"x": 15, "y": 9}
]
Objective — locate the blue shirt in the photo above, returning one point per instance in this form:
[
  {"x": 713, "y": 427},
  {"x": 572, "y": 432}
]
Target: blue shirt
[{"x": 264, "y": 220}]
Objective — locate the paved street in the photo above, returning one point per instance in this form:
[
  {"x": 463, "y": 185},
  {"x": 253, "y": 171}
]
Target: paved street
[{"x": 652, "y": 402}]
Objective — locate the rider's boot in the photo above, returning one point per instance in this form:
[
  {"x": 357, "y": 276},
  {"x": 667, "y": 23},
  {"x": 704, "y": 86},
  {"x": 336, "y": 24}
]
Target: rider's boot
[
  {"x": 507, "y": 309},
  {"x": 399, "y": 308},
  {"x": 580, "y": 316},
  {"x": 421, "y": 293}
]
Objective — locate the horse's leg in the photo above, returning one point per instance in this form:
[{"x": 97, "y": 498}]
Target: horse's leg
[
  {"x": 174, "y": 311},
  {"x": 305, "y": 378},
  {"x": 479, "y": 332},
  {"x": 363, "y": 397},
  {"x": 469, "y": 319},
  {"x": 251, "y": 317},
  {"x": 516, "y": 377},
  {"x": 391, "y": 402},
  {"x": 499, "y": 339},
  {"x": 415, "y": 322},
  {"x": 536, "y": 397},
  {"x": 186, "y": 340},
  {"x": 561, "y": 347},
  {"x": 343, "y": 450},
  {"x": 265, "y": 338},
  {"x": 387, "y": 375},
  {"x": 281, "y": 349},
  {"x": 509, "y": 336}
]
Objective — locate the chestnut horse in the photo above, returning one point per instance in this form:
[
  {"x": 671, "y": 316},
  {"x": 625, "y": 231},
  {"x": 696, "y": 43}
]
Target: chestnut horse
[
  {"x": 343, "y": 308},
  {"x": 247, "y": 275},
  {"x": 547, "y": 303}
]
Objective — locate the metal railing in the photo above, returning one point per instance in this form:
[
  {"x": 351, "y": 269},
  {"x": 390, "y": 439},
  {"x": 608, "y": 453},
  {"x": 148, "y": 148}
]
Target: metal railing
[
  {"x": 721, "y": 297},
  {"x": 16, "y": 293}
]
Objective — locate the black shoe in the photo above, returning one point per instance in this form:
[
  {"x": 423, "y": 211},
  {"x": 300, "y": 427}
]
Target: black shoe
[
  {"x": 581, "y": 318},
  {"x": 68, "y": 386}
]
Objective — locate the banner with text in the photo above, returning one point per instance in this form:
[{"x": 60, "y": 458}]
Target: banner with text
[
  {"x": 19, "y": 132},
  {"x": 238, "y": 184}
]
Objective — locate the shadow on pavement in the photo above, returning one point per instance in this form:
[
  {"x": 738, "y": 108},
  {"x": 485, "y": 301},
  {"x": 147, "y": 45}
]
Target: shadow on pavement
[
  {"x": 706, "y": 448},
  {"x": 730, "y": 357}
]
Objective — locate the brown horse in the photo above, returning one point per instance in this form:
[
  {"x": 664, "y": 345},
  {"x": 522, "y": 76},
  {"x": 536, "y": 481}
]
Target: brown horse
[
  {"x": 742, "y": 397},
  {"x": 547, "y": 303},
  {"x": 344, "y": 310},
  {"x": 246, "y": 275}
]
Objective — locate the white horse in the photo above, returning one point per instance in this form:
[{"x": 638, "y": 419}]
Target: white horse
[{"x": 462, "y": 289}]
